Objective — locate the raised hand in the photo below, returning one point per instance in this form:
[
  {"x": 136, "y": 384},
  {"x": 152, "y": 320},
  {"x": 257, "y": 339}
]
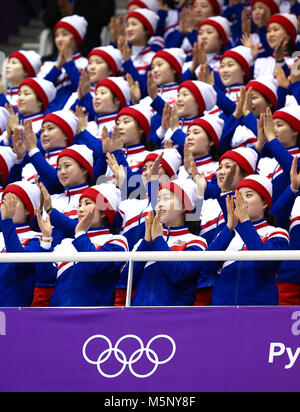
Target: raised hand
[
  {"x": 44, "y": 224},
  {"x": 118, "y": 170},
  {"x": 8, "y": 206},
  {"x": 30, "y": 139},
  {"x": 135, "y": 90},
  {"x": 232, "y": 218},
  {"x": 295, "y": 176},
  {"x": 19, "y": 147}
]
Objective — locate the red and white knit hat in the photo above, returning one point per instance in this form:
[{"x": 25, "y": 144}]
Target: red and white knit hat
[
  {"x": 44, "y": 89},
  {"x": 143, "y": 4},
  {"x": 141, "y": 113},
  {"x": 288, "y": 21},
  {"x": 147, "y": 17},
  {"x": 175, "y": 57},
  {"x": 7, "y": 161},
  {"x": 111, "y": 55},
  {"x": 221, "y": 24},
  {"x": 107, "y": 197},
  {"x": 171, "y": 161},
  {"x": 30, "y": 60},
  {"x": 243, "y": 56},
  {"x": 205, "y": 94},
  {"x": 261, "y": 184},
  {"x": 77, "y": 25},
  {"x": 267, "y": 86},
  {"x": 66, "y": 121},
  {"x": 272, "y": 4},
  {"x": 82, "y": 154},
  {"x": 245, "y": 157},
  {"x": 213, "y": 125},
  {"x": 119, "y": 87},
  {"x": 185, "y": 190},
  {"x": 291, "y": 115},
  {"x": 4, "y": 118},
  {"x": 217, "y": 5},
  {"x": 29, "y": 193}
]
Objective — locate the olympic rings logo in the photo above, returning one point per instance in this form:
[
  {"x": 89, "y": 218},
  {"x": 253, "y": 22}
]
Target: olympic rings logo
[{"x": 121, "y": 357}]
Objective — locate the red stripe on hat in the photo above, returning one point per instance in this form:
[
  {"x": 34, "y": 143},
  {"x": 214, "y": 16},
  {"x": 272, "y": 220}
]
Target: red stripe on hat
[
  {"x": 266, "y": 91},
  {"x": 138, "y": 3},
  {"x": 71, "y": 29},
  {"x": 138, "y": 116},
  {"x": 76, "y": 156},
  {"x": 62, "y": 124},
  {"x": 218, "y": 27},
  {"x": 238, "y": 158},
  {"x": 285, "y": 23},
  {"x": 216, "y": 6},
  {"x": 291, "y": 120},
  {"x": 38, "y": 90},
  {"x": 180, "y": 193},
  {"x": 26, "y": 63},
  {"x": 240, "y": 59},
  {"x": 3, "y": 169},
  {"x": 102, "y": 203},
  {"x": 167, "y": 168},
  {"x": 196, "y": 93},
  {"x": 261, "y": 190},
  {"x": 20, "y": 192},
  {"x": 114, "y": 88},
  {"x": 208, "y": 128},
  {"x": 142, "y": 19},
  {"x": 107, "y": 57},
  {"x": 270, "y": 3},
  {"x": 170, "y": 59}
]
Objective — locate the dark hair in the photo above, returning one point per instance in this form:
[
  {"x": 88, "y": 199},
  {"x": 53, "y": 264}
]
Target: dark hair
[
  {"x": 193, "y": 225},
  {"x": 271, "y": 219}
]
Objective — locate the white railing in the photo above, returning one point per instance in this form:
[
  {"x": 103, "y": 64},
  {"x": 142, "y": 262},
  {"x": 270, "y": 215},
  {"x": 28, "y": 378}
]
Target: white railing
[{"x": 131, "y": 257}]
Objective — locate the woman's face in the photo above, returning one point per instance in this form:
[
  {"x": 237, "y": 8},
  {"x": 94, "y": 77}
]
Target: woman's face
[
  {"x": 172, "y": 211},
  {"x": 62, "y": 37},
  {"x": 210, "y": 39},
  {"x": 229, "y": 175},
  {"x": 255, "y": 203},
  {"x": 53, "y": 137},
  {"x": 15, "y": 72},
  {"x": 275, "y": 32},
  {"x": 261, "y": 14},
  {"x": 202, "y": 9},
  {"x": 21, "y": 214},
  {"x": 285, "y": 133},
  {"x": 105, "y": 101},
  {"x": 70, "y": 173},
  {"x": 186, "y": 104},
  {"x": 198, "y": 142},
  {"x": 259, "y": 103},
  {"x": 28, "y": 103},
  {"x": 135, "y": 32},
  {"x": 129, "y": 130},
  {"x": 231, "y": 72},
  {"x": 87, "y": 205},
  {"x": 162, "y": 72},
  {"x": 146, "y": 173},
  {"x": 98, "y": 69}
]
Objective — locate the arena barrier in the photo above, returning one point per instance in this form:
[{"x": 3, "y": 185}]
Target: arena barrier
[{"x": 150, "y": 351}]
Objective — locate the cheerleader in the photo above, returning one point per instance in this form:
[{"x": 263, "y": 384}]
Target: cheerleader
[
  {"x": 111, "y": 95},
  {"x": 280, "y": 137},
  {"x": 58, "y": 132},
  {"x": 17, "y": 211},
  {"x": 201, "y": 146},
  {"x": 103, "y": 62},
  {"x": 287, "y": 211},
  {"x": 248, "y": 283},
  {"x": 65, "y": 72},
  {"x": 168, "y": 283},
  {"x": 282, "y": 29},
  {"x": 21, "y": 65},
  {"x": 194, "y": 99},
  {"x": 88, "y": 284},
  {"x": 240, "y": 129}
]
